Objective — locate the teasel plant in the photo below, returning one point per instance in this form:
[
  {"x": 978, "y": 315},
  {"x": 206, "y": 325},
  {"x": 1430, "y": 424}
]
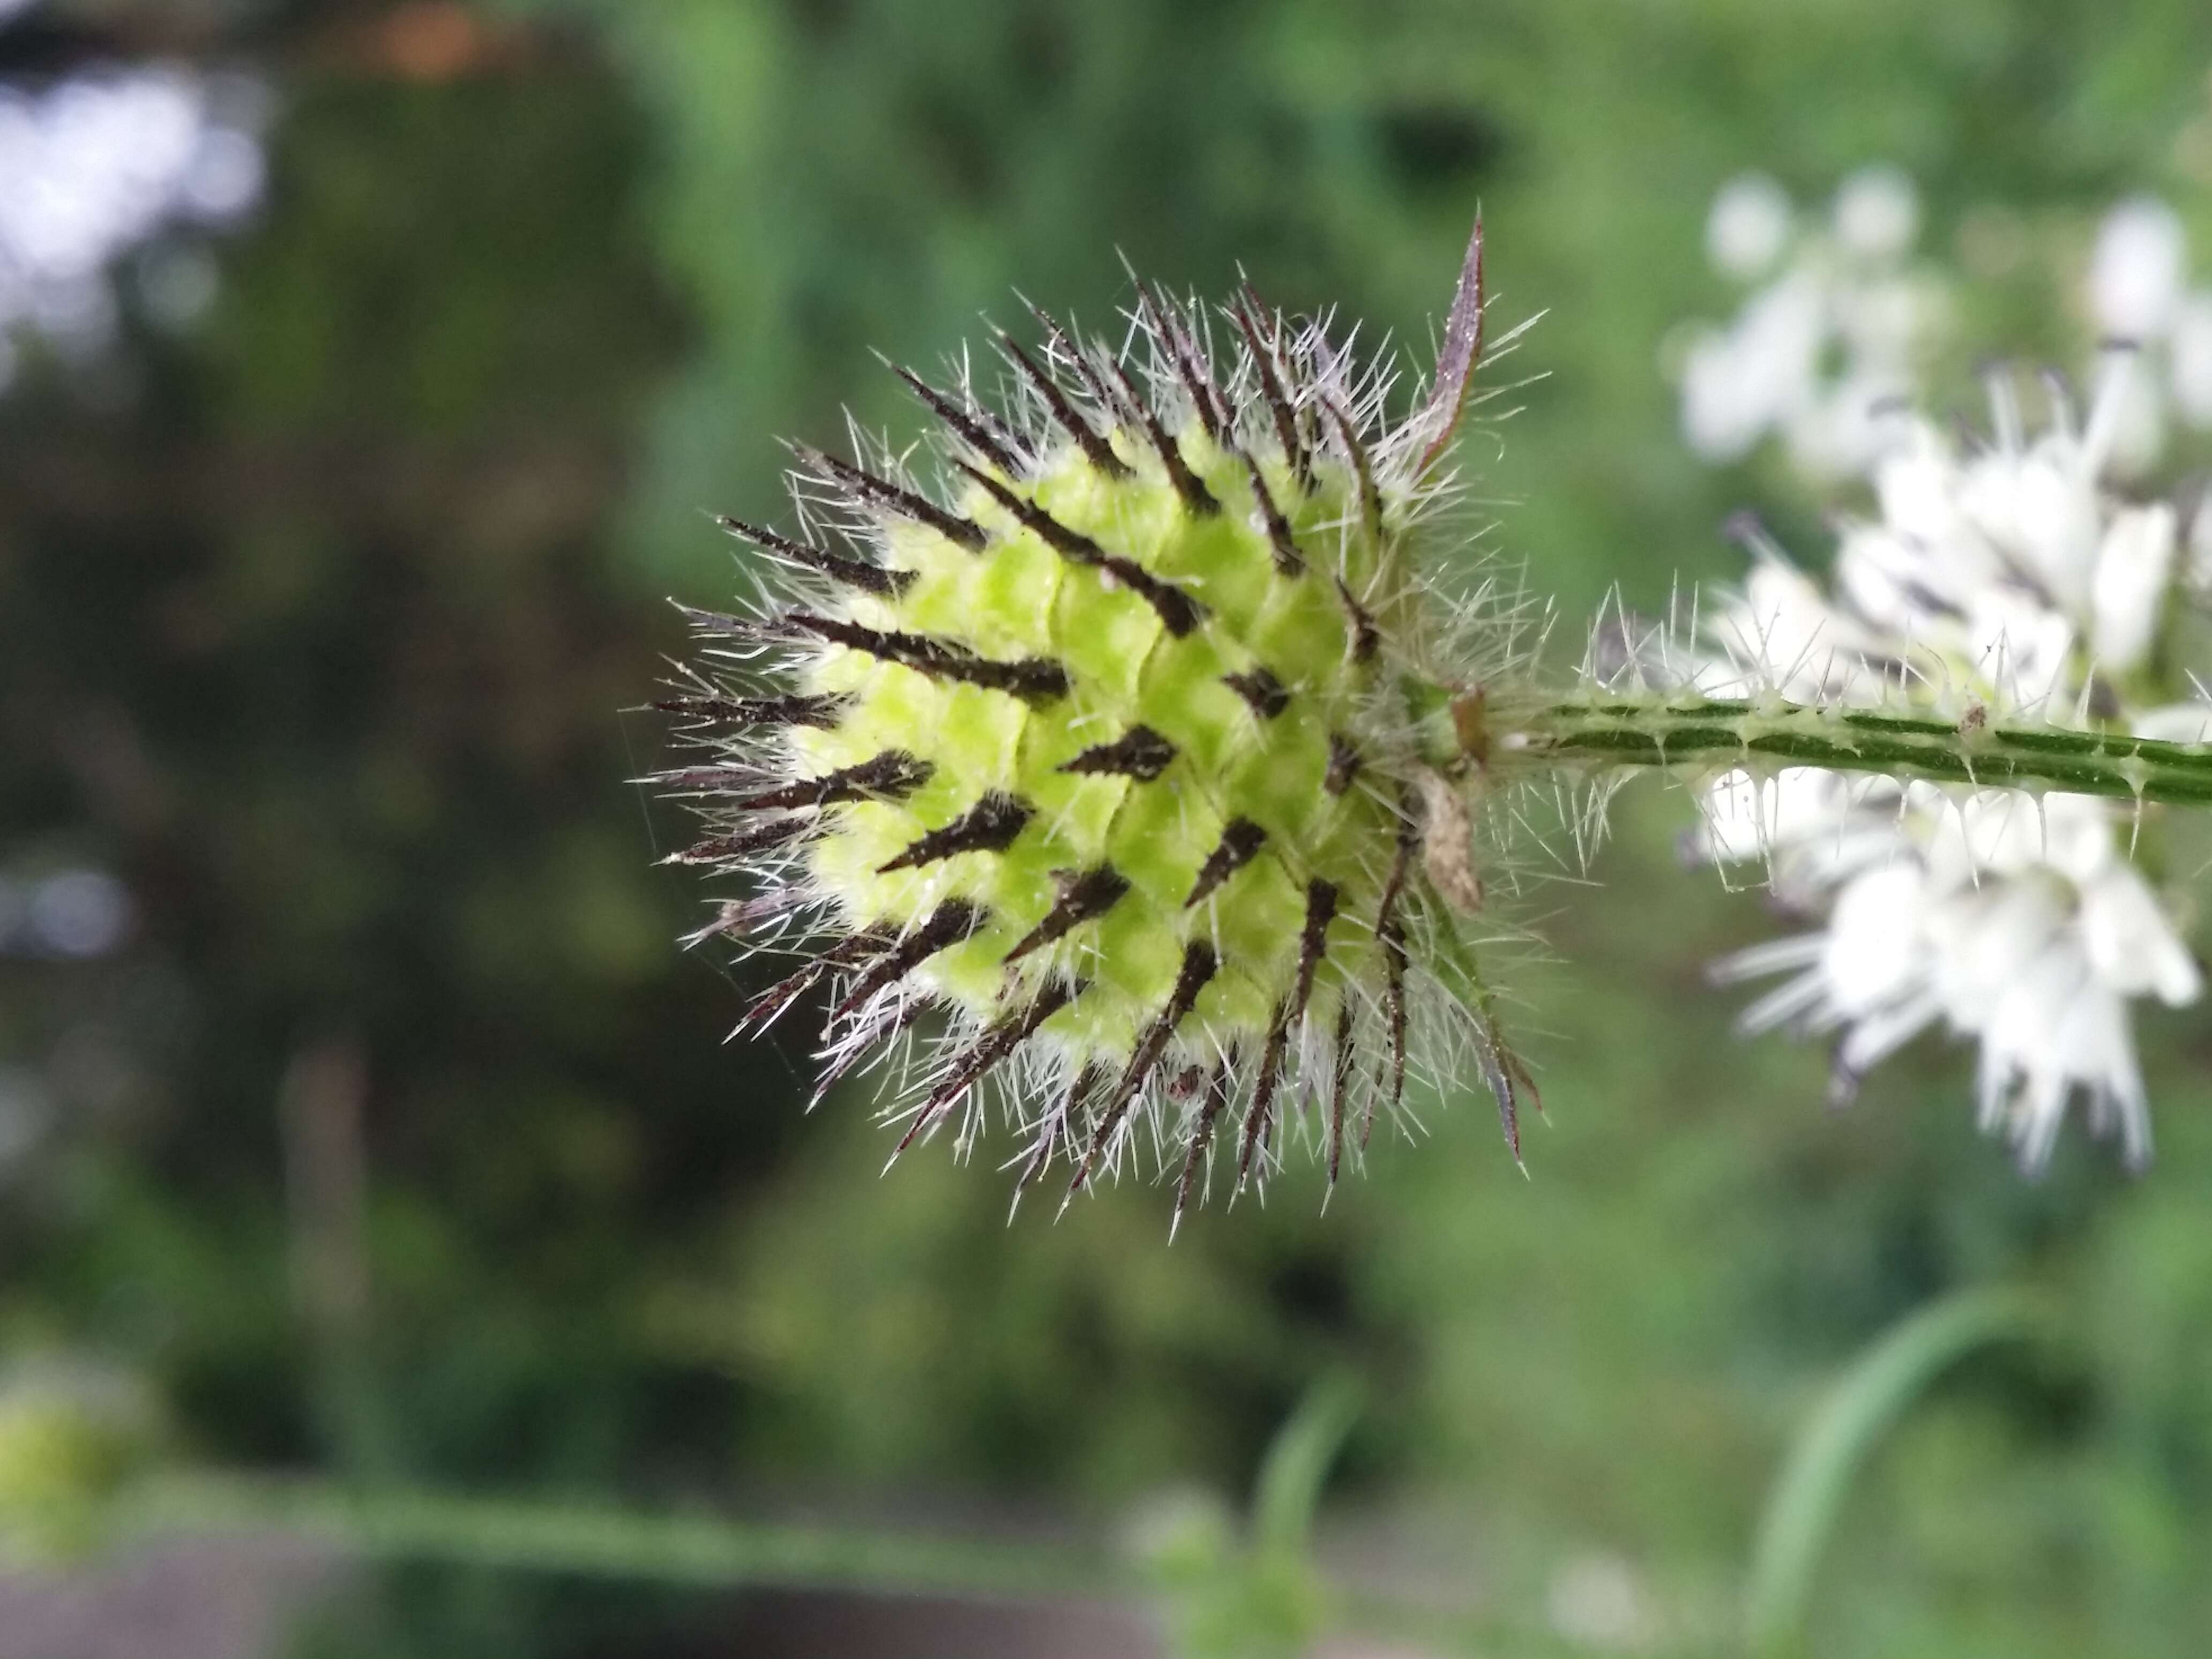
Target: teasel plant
[{"x": 1151, "y": 763}]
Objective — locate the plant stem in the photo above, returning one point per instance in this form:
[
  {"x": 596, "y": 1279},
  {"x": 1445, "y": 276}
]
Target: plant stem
[{"x": 1603, "y": 731}]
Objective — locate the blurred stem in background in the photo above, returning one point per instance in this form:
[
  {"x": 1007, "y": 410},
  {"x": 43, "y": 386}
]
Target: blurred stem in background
[
  {"x": 1259, "y": 1594},
  {"x": 321, "y": 1105},
  {"x": 1841, "y": 1435}
]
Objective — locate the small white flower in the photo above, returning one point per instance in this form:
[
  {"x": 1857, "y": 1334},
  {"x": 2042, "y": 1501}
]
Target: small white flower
[
  {"x": 2136, "y": 273},
  {"x": 1749, "y": 227},
  {"x": 1877, "y": 213},
  {"x": 2005, "y": 580},
  {"x": 1739, "y": 383}
]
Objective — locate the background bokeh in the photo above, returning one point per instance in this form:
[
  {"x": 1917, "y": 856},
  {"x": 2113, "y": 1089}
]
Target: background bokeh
[{"x": 356, "y": 1102}]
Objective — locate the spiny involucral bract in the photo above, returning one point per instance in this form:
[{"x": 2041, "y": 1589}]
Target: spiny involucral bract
[{"x": 1103, "y": 751}]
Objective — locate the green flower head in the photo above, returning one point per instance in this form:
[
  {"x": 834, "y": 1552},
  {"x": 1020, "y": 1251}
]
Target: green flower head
[{"x": 1094, "y": 780}]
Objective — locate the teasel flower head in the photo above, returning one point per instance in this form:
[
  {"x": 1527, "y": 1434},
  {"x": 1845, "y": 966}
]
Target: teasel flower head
[
  {"x": 1999, "y": 582},
  {"x": 1083, "y": 778}
]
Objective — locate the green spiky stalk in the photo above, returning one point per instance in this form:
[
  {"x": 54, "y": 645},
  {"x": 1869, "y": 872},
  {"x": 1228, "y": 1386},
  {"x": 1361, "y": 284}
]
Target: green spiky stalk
[{"x": 1603, "y": 730}]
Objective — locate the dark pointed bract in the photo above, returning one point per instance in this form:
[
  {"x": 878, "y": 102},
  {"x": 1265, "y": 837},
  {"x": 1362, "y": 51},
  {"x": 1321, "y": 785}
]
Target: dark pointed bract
[
  {"x": 1195, "y": 497},
  {"x": 866, "y": 486},
  {"x": 744, "y": 844},
  {"x": 1340, "y": 1086},
  {"x": 1313, "y": 940},
  {"x": 1265, "y": 696},
  {"x": 1390, "y": 934},
  {"x": 1365, "y": 639},
  {"x": 1457, "y": 359},
  {"x": 1095, "y": 448},
  {"x": 1289, "y": 561},
  {"x": 1178, "y": 613},
  {"x": 1082, "y": 896},
  {"x": 948, "y": 924},
  {"x": 1263, "y": 1090},
  {"x": 1167, "y": 321},
  {"x": 1343, "y": 764},
  {"x": 975, "y": 427},
  {"x": 1140, "y": 753},
  {"x": 1200, "y": 964},
  {"x": 1241, "y": 841},
  {"x": 1201, "y": 1136},
  {"x": 987, "y": 1051},
  {"x": 867, "y": 578},
  {"x": 1028, "y": 677},
  {"x": 888, "y": 776},
  {"x": 764, "y": 1009},
  {"x": 1371, "y": 498},
  {"x": 989, "y": 826},
  {"x": 819, "y": 712},
  {"x": 1247, "y": 312}
]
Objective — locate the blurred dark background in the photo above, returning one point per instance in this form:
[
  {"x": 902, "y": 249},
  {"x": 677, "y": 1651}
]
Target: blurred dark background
[{"x": 355, "y": 1096}]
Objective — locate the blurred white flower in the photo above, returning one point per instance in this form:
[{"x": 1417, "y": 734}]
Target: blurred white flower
[
  {"x": 1842, "y": 322},
  {"x": 1877, "y": 213},
  {"x": 2003, "y": 582},
  {"x": 1599, "y": 1602},
  {"x": 2136, "y": 273},
  {"x": 1816, "y": 352},
  {"x": 1749, "y": 227},
  {"x": 1739, "y": 383},
  {"x": 79, "y": 913},
  {"x": 98, "y": 164}
]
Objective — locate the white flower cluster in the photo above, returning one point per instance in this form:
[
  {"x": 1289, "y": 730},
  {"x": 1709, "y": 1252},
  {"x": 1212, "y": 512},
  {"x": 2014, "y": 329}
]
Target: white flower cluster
[
  {"x": 1830, "y": 335},
  {"x": 1839, "y": 323},
  {"x": 2001, "y": 582}
]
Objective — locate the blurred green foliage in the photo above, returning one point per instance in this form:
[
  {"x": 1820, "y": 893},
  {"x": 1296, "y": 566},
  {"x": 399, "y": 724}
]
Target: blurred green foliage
[{"x": 321, "y": 633}]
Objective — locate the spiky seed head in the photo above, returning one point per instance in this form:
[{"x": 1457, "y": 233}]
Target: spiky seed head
[{"x": 1103, "y": 751}]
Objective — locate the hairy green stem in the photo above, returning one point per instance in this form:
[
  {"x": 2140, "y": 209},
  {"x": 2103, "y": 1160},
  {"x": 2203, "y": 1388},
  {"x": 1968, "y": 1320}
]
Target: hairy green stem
[{"x": 1603, "y": 731}]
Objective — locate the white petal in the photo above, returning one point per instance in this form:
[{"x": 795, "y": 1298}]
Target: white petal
[
  {"x": 2136, "y": 273},
  {"x": 1724, "y": 412},
  {"x": 1985, "y": 942},
  {"x": 2020, "y": 648},
  {"x": 2077, "y": 835},
  {"x": 1874, "y": 954},
  {"x": 2191, "y": 358},
  {"x": 2135, "y": 564},
  {"x": 2131, "y": 944},
  {"x": 1774, "y": 956},
  {"x": 1879, "y": 1036},
  {"x": 2176, "y": 722},
  {"x": 1783, "y": 1004},
  {"x": 1918, "y": 486}
]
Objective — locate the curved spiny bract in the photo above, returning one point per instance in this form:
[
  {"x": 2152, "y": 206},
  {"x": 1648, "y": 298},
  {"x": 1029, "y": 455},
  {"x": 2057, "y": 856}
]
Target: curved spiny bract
[{"x": 1103, "y": 748}]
